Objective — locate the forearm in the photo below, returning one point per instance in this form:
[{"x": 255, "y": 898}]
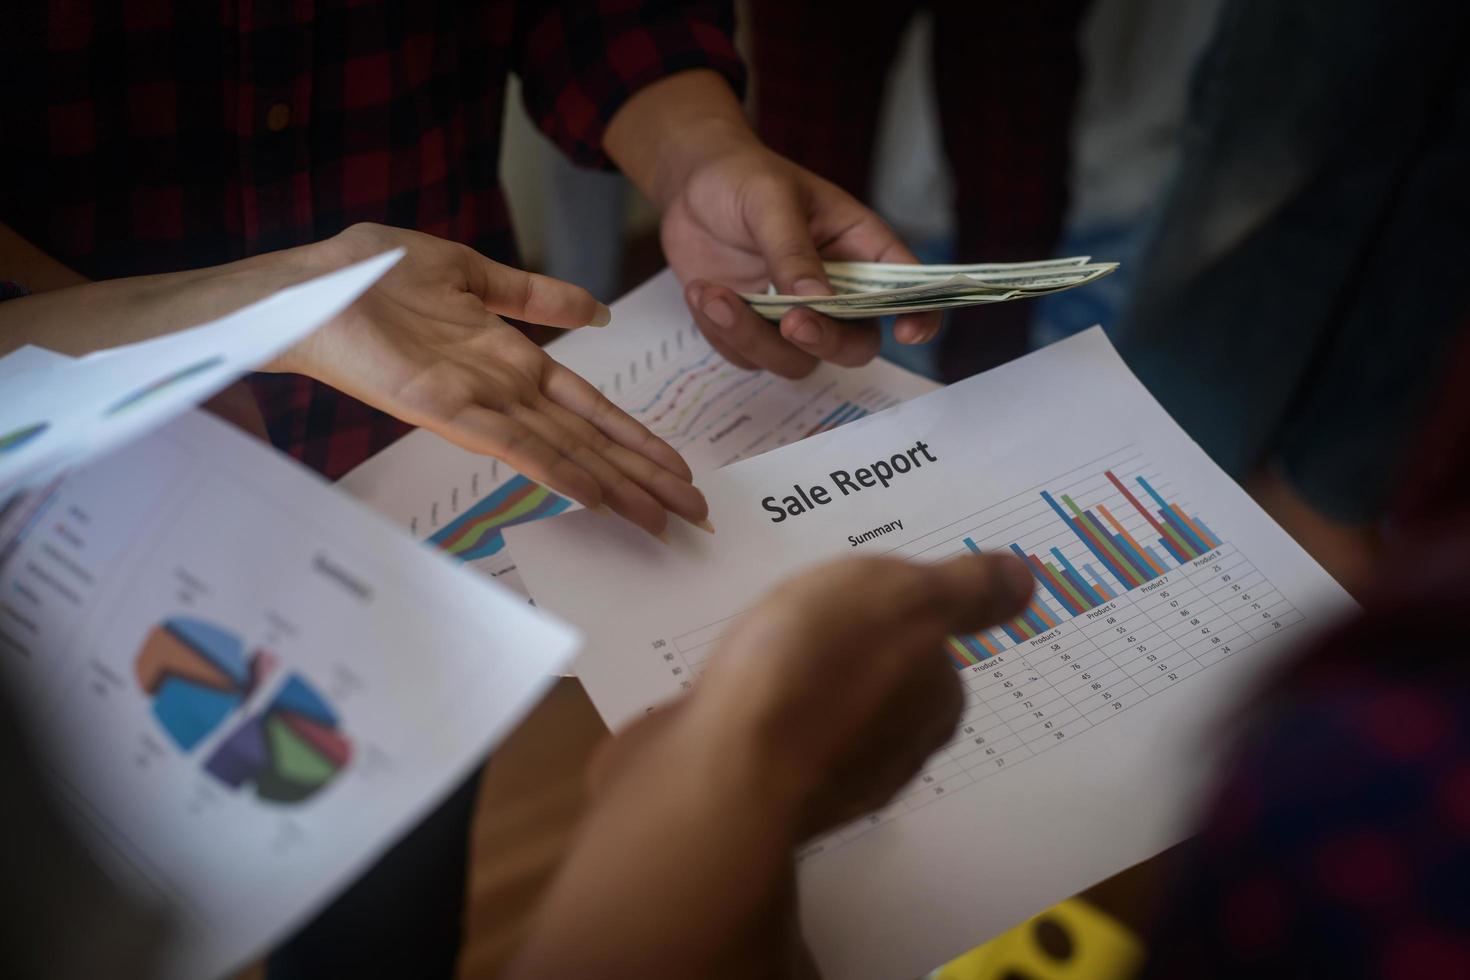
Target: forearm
[
  {"x": 676, "y": 872},
  {"x": 87, "y": 316},
  {"x": 667, "y": 128}
]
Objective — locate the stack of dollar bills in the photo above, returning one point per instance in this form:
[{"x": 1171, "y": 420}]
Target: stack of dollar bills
[{"x": 867, "y": 289}]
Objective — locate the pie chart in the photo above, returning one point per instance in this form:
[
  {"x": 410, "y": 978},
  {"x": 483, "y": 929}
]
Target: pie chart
[
  {"x": 197, "y": 673},
  {"x": 201, "y": 680},
  {"x": 289, "y": 751}
]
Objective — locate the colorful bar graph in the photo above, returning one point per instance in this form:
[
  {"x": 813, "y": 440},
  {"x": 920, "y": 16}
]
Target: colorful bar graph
[
  {"x": 846, "y": 412},
  {"x": 1097, "y": 579},
  {"x": 1193, "y": 546},
  {"x": 1067, "y": 589}
]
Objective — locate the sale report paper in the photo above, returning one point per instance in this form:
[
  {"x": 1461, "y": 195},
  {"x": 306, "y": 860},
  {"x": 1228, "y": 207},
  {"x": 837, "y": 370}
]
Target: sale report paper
[
  {"x": 651, "y": 361},
  {"x": 248, "y": 685},
  {"x": 1162, "y": 593}
]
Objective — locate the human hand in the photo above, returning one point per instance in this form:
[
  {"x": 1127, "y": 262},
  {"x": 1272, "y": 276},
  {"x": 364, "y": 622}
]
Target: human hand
[
  {"x": 819, "y": 705},
  {"x": 828, "y": 696},
  {"x": 745, "y": 216},
  {"x": 425, "y": 344},
  {"x": 737, "y": 216}
]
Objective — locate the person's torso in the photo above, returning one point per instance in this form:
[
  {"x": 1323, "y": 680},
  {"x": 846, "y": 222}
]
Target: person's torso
[{"x": 152, "y": 136}]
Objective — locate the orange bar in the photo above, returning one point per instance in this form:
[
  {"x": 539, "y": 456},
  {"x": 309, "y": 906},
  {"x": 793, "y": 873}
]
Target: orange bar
[
  {"x": 1204, "y": 538},
  {"x": 1129, "y": 538}
]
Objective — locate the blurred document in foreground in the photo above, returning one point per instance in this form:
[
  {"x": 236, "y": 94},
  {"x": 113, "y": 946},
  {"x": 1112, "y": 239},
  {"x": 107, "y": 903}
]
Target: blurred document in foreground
[
  {"x": 55, "y": 410},
  {"x": 653, "y": 362},
  {"x": 1162, "y": 593},
  {"x": 246, "y": 685}
]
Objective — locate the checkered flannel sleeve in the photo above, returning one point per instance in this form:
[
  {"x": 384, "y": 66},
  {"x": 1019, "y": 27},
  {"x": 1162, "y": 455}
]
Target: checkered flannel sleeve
[{"x": 580, "y": 60}]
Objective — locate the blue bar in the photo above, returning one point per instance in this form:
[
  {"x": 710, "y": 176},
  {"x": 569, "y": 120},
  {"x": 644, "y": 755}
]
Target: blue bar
[
  {"x": 1050, "y": 612},
  {"x": 1144, "y": 568},
  {"x": 1016, "y": 638},
  {"x": 1173, "y": 551},
  {"x": 1102, "y": 556},
  {"x": 853, "y": 411},
  {"x": 1078, "y": 582},
  {"x": 1151, "y": 492},
  {"x": 1182, "y": 529},
  {"x": 1093, "y": 572},
  {"x": 999, "y": 643},
  {"x": 1076, "y": 529},
  {"x": 1214, "y": 541},
  {"x": 1109, "y": 537},
  {"x": 834, "y": 413},
  {"x": 1154, "y": 555},
  {"x": 1033, "y": 620},
  {"x": 972, "y": 546},
  {"x": 969, "y": 643},
  {"x": 1174, "y": 522},
  {"x": 1083, "y": 589},
  {"x": 1061, "y": 597}
]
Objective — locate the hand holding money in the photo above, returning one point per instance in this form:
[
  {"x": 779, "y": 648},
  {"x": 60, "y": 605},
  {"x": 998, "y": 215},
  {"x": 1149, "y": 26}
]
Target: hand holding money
[{"x": 872, "y": 289}]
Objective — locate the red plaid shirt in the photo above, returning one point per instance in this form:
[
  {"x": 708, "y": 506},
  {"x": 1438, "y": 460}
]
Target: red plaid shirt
[{"x": 150, "y": 136}]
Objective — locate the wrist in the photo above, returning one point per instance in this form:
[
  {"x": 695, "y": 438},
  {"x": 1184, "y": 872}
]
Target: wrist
[
  {"x": 739, "y": 771},
  {"x": 668, "y": 130},
  {"x": 696, "y": 145}
]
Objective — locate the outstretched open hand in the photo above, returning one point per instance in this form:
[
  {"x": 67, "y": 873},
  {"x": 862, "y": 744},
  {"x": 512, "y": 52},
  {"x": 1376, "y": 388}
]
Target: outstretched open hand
[{"x": 427, "y": 344}]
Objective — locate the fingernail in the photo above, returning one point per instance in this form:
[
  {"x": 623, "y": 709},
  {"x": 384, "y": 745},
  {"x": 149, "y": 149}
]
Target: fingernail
[
  {"x": 806, "y": 331},
  {"x": 719, "y": 311},
  {"x": 602, "y": 317},
  {"x": 664, "y": 537},
  {"x": 705, "y": 525},
  {"x": 811, "y": 287},
  {"x": 1016, "y": 578}
]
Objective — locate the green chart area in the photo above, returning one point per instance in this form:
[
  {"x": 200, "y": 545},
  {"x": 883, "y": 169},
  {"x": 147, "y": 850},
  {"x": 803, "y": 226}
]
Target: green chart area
[{"x": 289, "y": 751}]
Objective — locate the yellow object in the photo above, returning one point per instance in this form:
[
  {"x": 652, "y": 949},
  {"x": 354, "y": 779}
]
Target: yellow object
[{"x": 1070, "y": 941}]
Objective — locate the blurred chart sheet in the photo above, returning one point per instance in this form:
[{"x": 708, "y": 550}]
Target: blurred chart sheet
[
  {"x": 56, "y": 410},
  {"x": 249, "y": 685},
  {"x": 1162, "y": 592},
  {"x": 652, "y": 362}
]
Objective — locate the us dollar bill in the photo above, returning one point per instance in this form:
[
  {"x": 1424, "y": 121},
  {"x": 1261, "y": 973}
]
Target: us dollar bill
[{"x": 867, "y": 289}]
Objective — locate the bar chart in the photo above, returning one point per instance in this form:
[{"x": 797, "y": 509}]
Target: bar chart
[
  {"x": 1135, "y": 592},
  {"x": 1075, "y": 588}
]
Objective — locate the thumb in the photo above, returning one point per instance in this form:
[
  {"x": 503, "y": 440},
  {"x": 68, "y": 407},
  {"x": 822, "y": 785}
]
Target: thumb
[
  {"x": 782, "y": 233},
  {"x": 975, "y": 591},
  {"x": 531, "y": 297}
]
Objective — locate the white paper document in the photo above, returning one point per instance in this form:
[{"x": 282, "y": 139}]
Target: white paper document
[
  {"x": 247, "y": 684},
  {"x": 56, "y": 411},
  {"x": 653, "y": 362},
  {"x": 1162, "y": 592}
]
